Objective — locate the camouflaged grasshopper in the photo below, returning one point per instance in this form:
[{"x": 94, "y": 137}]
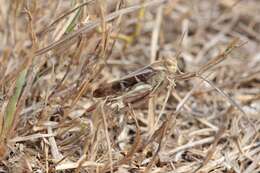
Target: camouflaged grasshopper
[{"x": 140, "y": 83}]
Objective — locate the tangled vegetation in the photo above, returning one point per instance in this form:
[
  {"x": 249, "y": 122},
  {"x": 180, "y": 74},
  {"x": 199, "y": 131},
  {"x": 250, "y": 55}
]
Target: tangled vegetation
[{"x": 130, "y": 86}]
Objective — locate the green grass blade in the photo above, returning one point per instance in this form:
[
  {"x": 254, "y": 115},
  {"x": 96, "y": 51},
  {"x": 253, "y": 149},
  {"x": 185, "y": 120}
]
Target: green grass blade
[
  {"x": 72, "y": 24},
  {"x": 11, "y": 106}
]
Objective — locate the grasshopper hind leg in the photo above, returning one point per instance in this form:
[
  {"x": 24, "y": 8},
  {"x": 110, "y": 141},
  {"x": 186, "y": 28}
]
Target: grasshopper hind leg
[{"x": 156, "y": 87}]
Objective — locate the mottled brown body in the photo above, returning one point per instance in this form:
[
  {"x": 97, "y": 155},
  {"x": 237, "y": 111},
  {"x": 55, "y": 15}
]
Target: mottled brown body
[
  {"x": 149, "y": 77},
  {"x": 125, "y": 84}
]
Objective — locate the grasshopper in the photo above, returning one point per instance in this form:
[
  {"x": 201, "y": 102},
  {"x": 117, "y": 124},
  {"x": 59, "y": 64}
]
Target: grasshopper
[{"x": 140, "y": 83}]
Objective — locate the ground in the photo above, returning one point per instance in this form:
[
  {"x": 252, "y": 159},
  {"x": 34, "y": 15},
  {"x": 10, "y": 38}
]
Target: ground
[{"x": 130, "y": 86}]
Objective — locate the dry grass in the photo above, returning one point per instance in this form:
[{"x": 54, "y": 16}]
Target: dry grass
[{"x": 54, "y": 54}]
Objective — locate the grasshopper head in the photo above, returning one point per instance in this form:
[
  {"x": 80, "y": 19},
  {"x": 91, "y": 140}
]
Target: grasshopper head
[
  {"x": 170, "y": 65},
  {"x": 167, "y": 64}
]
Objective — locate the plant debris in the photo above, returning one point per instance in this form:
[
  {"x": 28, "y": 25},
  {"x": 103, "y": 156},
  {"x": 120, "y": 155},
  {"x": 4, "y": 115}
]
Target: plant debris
[{"x": 130, "y": 86}]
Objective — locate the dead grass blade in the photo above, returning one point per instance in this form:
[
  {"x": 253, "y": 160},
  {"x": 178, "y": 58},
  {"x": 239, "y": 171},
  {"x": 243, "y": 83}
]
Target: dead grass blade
[
  {"x": 107, "y": 137},
  {"x": 46, "y": 29},
  {"x": 92, "y": 25},
  {"x": 135, "y": 147},
  {"x": 160, "y": 133},
  {"x": 211, "y": 151}
]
